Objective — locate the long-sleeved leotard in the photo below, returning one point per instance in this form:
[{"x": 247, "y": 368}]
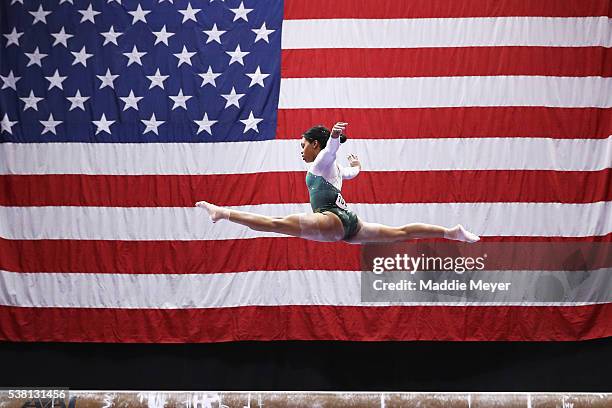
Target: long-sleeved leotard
[
  {"x": 324, "y": 181},
  {"x": 326, "y": 166}
]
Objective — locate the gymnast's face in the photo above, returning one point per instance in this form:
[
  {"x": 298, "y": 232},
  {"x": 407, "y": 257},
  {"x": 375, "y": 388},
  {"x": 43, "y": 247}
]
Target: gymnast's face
[{"x": 310, "y": 150}]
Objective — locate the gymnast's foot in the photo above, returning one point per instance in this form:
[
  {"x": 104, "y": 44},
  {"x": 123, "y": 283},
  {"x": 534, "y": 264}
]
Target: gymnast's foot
[
  {"x": 458, "y": 233},
  {"x": 215, "y": 212}
]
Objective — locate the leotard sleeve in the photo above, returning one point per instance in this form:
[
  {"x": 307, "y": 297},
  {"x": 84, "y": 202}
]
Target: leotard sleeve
[
  {"x": 326, "y": 157},
  {"x": 349, "y": 172}
]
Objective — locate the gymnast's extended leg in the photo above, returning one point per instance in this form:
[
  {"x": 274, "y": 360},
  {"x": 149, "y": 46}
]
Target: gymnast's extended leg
[
  {"x": 317, "y": 226},
  {"x": 374, "y": 232}
]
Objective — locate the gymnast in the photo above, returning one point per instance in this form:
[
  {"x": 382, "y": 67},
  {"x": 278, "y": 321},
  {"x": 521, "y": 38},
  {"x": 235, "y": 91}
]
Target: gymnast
[{"x": 331, "y": 219}]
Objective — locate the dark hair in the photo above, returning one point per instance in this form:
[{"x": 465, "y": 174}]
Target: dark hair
[{"x": 321, "y": 134}]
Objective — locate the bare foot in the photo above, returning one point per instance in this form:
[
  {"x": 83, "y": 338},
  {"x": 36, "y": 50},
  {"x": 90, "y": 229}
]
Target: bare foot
[
  {"x": 215, "y": 212},
  {"x": 458, "y": 233}
]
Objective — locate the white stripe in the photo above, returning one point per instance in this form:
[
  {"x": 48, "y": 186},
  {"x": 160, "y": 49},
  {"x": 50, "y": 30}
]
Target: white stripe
[
  {"x": 181, "y": 291},
  {"x": 284, "y": 155},
  {"x": 437, "y": 92},
  {"x": 448, "y": 32},
  {"x": 179, "y": 223}
]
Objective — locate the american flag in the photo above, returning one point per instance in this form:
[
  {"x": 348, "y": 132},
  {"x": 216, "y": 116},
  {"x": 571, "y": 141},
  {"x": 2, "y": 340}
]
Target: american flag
[{"x": 117, "y": 115}]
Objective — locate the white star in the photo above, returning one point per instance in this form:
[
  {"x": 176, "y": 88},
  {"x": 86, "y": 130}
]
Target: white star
[
  {"x": 81, "y": 57},
  {"x": 262, "y": 33},
  {"x": 232, "y": 98},
  {"x": 107, "y": 79},
  {"x": 157, "y": 79},
  {"x": 31, "y": 102},
  {"x": 237, "y": 55},
  {"x": 131, "y": 101},
  {"x": 170, "y": 1},
  {"x": 241, "y": 12},
  {"x": 251, "y": 123},
  {"x": 257, "y": 78},
  {"x": 152, "y": 124},
  {"x": 77, "y": 101},
  {"x": 89, "y": 14},
  {"x": 139, "y": 15},
  {"x": 214, "y": 34},
  {"x": 35, "y": 57},
  {"x": 162, "y": 36},
  {"x": 180, "y": 100},
  {"x": 110, "y": 1},
  {"x": 61, "y": 38},
  {"x": 6, "y": 124},
  {"x": 50, "y": 124},
  {"x": 16, "y": 1},
  {"x": 66, "y": 1},
  {"x": 205, "y": 124},
  {"x": 189, "y": 13},
  {"x": 103, "y": 124},
  {"x": 111, "y": 36},
  {"x": 134, "y": 56},
  {"x": 56, "y": 80},
  {"x": 209, "y": 77},
  {"x": 13, "y": 37},
  {"x": 184, "y": 56},
  {"x": 10, "y": 81},
  {"x": 40, "y": 15}
]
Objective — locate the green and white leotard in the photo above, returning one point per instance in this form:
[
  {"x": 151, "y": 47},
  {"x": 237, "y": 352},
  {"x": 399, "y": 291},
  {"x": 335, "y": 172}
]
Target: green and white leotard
[{"x": 324, "y": 182}]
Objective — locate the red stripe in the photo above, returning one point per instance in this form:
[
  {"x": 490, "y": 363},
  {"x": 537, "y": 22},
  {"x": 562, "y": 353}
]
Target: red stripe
[
  {"x": 434, "y": 62},
  {"x": 324, "y": 9},
  {"x": 179, "y": 257},
  {"x": 306, "y": 323},
  {"x": 157, "y": 257},
  {"x": 391, "y": 187},
  {"x": 413, "y": 123}
]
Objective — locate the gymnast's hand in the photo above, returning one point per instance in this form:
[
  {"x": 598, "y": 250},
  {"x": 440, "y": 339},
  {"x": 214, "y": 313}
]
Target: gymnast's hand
[
  {"x": 354, "y": 161},
  {"x": 338, "y": 129}
]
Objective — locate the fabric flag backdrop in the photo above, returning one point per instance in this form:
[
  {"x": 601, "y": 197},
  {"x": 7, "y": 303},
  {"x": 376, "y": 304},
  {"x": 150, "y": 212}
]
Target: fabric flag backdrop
[{"x": 117, "y": 115}]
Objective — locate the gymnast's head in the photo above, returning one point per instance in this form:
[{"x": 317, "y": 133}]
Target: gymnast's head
[{"x": 314, "y": 140}]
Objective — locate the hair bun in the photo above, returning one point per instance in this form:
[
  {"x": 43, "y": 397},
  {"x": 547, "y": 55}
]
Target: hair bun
[{"x": 343, "y": 138}]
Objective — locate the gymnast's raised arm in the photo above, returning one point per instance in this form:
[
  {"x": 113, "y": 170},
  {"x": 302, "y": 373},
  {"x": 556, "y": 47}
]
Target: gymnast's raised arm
[{"x": 327, "y": 155}]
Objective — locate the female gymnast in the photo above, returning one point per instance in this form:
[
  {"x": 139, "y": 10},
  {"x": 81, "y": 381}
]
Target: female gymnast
[{"x": 331, "y": 220}]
